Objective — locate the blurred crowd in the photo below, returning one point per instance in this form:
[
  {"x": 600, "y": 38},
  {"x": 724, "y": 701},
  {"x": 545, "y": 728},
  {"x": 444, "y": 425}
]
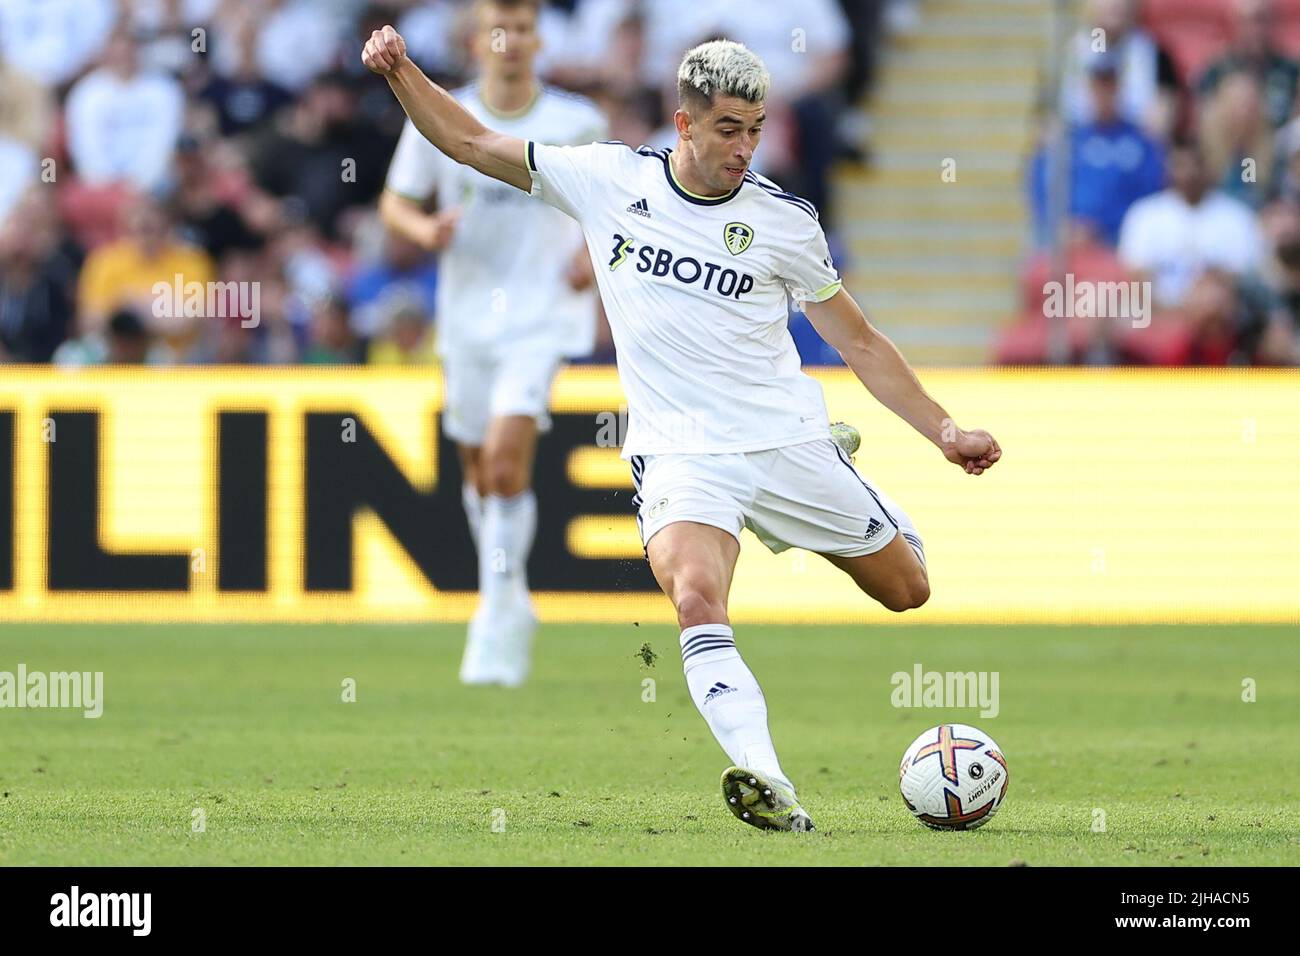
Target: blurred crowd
[
  {"x": 224, "y": 145},
  {"x": 1179, "y": 144}
]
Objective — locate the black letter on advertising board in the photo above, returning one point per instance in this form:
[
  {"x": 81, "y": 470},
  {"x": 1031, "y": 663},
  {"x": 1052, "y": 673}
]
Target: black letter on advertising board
[
  {"x": 343, "y": 478},
  {"x": 76, "y": 560},
  {"x": 6, "y": 501},
  {"x": 241, "y": 501}
]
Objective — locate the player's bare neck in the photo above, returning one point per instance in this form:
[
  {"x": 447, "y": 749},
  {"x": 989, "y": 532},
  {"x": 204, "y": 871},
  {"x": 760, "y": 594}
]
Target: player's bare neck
[
  {"x": 509, "y": 96},
  {"x": 687, "y": 174}
]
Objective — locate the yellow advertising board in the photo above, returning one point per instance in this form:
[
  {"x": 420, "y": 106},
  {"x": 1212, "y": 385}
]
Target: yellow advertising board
[{"x": 298, "y": 494}]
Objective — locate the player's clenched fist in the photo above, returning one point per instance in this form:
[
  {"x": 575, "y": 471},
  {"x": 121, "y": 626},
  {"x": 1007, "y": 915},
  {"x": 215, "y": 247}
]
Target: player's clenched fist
[
  {"x": 384, "y": 51},
  {"x": 976, "y": 451}
]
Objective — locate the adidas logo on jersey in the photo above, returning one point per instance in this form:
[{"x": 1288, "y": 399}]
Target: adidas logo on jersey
[
  {"x": 873, "y": 528},
  {"x": 717, "y": 690},
  {"x": 640, "y": 207}
]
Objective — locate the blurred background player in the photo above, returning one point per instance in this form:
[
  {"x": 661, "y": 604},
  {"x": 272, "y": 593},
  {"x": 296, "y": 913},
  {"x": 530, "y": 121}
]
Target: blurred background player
[{"x": 514, "y": 300}]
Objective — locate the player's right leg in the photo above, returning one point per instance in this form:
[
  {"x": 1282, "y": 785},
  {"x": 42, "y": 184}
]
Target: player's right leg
[
  {"x": 466, "y": 416},
  {"x": 470, "y": 495},
  {"x": 691, "y": 519}
]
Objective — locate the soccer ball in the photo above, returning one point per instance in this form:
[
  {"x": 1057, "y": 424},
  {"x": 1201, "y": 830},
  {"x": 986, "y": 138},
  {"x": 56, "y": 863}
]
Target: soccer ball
[{"x": 953, "y": 777}]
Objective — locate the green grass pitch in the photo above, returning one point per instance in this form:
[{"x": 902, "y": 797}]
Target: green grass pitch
[{"x": 247, "y": 724}]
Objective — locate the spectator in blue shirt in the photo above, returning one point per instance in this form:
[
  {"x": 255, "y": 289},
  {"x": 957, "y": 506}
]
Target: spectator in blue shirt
[
  {"x": 1113, "y": 163},
  {"x": 405, "y": 271}
]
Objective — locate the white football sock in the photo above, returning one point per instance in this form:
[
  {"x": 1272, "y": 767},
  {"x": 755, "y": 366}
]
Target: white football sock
[
  {"x": 469, "y": 497},
  {"x": 505, "y": 539},
  {"x": 729, "y": 699}
]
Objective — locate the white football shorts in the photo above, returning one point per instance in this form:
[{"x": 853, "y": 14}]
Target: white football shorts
[
  {"x": 479, "y": 388},
  {"x": 801, "y": 496}
]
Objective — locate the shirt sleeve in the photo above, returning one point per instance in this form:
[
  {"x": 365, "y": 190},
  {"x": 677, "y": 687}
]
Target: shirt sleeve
[
  {"x": 811, "y": 276},
  {"x": 563, "y": 175},
  {"x": 416, "y": 166}
]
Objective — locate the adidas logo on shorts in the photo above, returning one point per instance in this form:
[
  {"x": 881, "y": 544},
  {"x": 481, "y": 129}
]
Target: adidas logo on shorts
[{"x": 873, "y": 529}]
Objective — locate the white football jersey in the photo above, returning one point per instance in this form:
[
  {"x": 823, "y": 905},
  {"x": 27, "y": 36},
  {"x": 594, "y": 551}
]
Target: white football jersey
[
  {"x": 501, "y": 281},
  {"x": 696, "y": 292}
]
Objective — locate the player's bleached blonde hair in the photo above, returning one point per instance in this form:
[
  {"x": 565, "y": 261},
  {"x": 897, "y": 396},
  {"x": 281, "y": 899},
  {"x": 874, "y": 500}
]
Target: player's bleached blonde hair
[{"x": 722, "y": 67}]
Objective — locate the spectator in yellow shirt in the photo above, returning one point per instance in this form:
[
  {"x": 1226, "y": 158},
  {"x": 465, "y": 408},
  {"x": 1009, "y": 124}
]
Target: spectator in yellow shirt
[
  {"x": 133, "y": 271},
  {"x": 407, "y": 338}
]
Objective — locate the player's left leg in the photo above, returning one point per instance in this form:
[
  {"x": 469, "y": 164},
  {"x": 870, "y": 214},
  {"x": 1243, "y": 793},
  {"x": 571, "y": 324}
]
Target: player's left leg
[{"x": 895, "y": 575}]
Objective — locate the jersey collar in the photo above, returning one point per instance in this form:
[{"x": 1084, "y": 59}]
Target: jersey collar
[
  {"x": 510, "y": 114},
  {"x": 685, "y": 193}
]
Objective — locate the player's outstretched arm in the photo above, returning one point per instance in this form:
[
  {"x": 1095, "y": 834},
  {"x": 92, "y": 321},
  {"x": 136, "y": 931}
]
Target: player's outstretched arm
[
  {"x": 883, "y": 370},
  {"x": 443, "y": 121}
]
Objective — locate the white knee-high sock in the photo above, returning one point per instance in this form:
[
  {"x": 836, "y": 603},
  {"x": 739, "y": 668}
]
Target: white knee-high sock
[
  {"x": 469, "y": 497},
  {"x": 506, "y": 537},
  {"x": 729, "y": 698}
]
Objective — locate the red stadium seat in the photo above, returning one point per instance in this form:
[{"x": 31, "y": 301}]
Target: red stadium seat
[
  {"x": 1024, "y": 343},
  {"x": 1288, "y": 25},
  {"x": 1156, "y": 12},
  {"x": 1088, "y": 263},
  {"x": 1194, "y": 32},
  {"x": 1166, "y": 341},
  {"x": 92, "y": 213},
  {"x": 1288, "y": 37}
]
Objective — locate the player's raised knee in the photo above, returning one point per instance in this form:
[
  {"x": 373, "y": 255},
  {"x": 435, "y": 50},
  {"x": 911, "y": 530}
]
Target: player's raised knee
[{"x": 909, "y": 593}]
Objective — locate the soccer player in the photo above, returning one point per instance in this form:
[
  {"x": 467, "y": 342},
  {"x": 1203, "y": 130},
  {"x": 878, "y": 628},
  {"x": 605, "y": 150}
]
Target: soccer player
[
  {"x": 511, "y": 308},
  {"x": 695, "y": 257}
]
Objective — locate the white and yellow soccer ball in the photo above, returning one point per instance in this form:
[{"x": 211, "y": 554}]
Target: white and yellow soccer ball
[{"x": 953, "y": 777}]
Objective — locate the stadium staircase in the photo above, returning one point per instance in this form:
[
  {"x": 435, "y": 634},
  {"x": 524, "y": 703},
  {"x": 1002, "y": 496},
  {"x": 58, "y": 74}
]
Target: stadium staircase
[{"x": 935, "y": 263}]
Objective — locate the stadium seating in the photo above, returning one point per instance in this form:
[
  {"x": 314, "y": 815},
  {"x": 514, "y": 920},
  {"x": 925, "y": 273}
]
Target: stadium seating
[
  {"x": 1196, "y": 31},
  {"x": 1193, "y": 31},
  {"x": 1165, "y": 342},
  {"x": 92, "y": 214}
]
